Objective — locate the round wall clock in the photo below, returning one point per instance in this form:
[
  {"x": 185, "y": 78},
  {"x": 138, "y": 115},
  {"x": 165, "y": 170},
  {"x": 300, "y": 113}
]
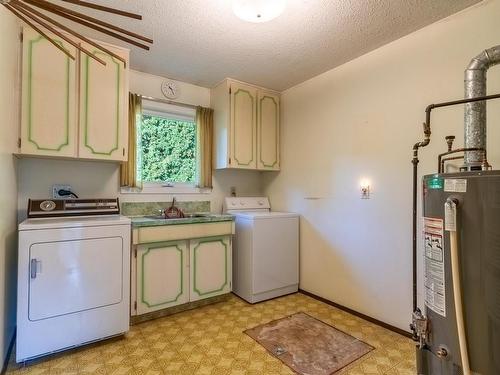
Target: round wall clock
[{"x": 170, "y": 89}]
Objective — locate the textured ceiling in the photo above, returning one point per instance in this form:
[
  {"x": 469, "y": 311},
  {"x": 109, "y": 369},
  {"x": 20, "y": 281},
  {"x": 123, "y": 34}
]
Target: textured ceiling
[{"x": 202, "y": 42}]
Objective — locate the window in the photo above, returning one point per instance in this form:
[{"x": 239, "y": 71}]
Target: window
[{"x": 167, "y": 156}]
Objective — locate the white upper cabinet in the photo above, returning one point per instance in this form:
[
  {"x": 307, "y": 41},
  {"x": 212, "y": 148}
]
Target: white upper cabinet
[
  {"x": 246, "y": 126},
  {"x": 73, "y": 108},
  {"x": 268, "y": 131},
  {"x": 103, "y": 113},
  {"x": 243, "y": 126},
  {"x": 49, "y": 110}
]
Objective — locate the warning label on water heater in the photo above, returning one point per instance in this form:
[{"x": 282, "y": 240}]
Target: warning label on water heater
[
  {"x": 453, "y": 185},
  {"x": 434, "y": 278}
]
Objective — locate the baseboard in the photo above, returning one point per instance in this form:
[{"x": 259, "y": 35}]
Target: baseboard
[
  {"x": 137, "y": 319},
  {"x": 358, "y": 314},
  {"x": 9, "y": 353}
]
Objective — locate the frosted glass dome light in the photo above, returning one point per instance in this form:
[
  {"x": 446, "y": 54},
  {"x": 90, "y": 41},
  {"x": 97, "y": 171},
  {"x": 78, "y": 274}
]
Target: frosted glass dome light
[{"x": 258, "y": 10}]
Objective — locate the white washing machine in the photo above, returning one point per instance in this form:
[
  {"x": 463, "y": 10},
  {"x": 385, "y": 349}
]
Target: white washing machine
[
  {"x": 265, "y": 249},
  {"x": 73, "y": 275}
]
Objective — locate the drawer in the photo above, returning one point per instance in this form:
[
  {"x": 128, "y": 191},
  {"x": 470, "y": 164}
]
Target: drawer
[{"x": 181, "y": 232}]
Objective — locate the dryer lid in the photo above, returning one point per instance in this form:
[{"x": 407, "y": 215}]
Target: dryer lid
[{"x": 73, "y": 222}]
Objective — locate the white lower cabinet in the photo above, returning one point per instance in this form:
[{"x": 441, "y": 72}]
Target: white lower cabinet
[
  {"x": 162, "y": 276},
  {"x": 210, "y": 267},
  {"x": 172, "y": 273}
]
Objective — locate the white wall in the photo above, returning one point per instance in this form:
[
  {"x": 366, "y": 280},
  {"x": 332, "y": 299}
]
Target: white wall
[
  {"x": 359, "y": 121},
  {"x": 9, "y": 119},
  {"x": 101, "y": 179},
  {"x": 150, "y": 85}
]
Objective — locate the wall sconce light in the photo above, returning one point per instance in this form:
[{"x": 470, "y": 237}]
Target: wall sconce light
[{"x": 365, "y": 189}]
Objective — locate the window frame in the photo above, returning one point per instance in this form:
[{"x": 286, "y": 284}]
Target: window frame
[{"x": 171, "y": 111}]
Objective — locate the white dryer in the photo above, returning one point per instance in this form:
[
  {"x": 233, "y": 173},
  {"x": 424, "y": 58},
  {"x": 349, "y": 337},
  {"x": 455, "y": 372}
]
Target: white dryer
[
  {"x": 265, "y": 249},
  {"x": 73, "y": 276}
]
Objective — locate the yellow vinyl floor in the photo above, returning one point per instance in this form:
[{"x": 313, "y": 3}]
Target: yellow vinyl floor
[{"x": 210, "y": 340}]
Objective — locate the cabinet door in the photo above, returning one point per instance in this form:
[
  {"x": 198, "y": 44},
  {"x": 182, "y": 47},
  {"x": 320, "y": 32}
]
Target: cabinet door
[
  {"x": 268, "y": 129},
  {"x": 103, "y": 105},
  {"x": 210, "y": 267},
  {"x": 162, "y": 276},
  {"x": 243, "y": 126},
  {"x": 49, "y": 112}
]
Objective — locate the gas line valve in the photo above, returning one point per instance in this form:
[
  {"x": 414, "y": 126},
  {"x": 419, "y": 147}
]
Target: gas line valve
[{"x": 420, "y": 328}]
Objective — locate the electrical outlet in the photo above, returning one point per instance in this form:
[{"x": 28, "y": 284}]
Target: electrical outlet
[{"x": 57, "y": 187}]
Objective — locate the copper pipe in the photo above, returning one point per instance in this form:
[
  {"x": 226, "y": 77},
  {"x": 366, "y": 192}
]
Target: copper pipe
[
  {"x": 466, "y": 149},
  {"x": 37, "y": 29},
  {"x": 105, "y": 9},
  {"x": 43, "y": 6},
  {"x": 449, "y": 141},
  {"x": 15, "y": 4},
  {"x": 68, "y": 30},
  {"x": 444, "y": 160},
  {"x": 51, "y": 7}
]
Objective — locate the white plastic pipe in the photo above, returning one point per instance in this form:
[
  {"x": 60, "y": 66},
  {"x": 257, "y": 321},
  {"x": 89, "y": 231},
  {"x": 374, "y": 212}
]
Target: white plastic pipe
[{"x": 457, "y": 293}]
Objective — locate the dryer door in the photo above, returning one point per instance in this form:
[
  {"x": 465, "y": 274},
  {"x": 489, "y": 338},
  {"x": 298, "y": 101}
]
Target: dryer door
[{"x": 76, "y": 275}]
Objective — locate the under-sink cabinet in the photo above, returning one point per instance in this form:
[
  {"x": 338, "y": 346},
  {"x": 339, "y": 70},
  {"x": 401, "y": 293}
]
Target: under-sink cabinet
[
  {"x": 162, "y": 275},
  {"x": 246, "y": 126},
  {"x": 210, "y": 267},
  {"x": 180, "y": 264},
  {"x": 73, "y": 108}
]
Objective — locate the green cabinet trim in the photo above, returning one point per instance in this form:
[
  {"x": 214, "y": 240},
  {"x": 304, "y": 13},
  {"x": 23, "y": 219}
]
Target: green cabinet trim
[
  {"x": 195, "y": 288},
  {"x": 30, "y": 103},
  {"x": 175, "y": 247},
  {"x": 234, "y": 128},
  {"x": 86, "y": 107},
  {"x": 260, "y": 132}
]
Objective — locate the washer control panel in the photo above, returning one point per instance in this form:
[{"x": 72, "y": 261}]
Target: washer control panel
[{"x": 246, "y": 204}]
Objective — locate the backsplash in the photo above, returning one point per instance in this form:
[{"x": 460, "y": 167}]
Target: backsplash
[{"x": 152, "y": 208}]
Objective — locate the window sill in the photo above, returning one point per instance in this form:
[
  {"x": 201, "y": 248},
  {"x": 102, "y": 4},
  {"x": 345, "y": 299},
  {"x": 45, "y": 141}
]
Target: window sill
[{"x": 166, "y": 190}]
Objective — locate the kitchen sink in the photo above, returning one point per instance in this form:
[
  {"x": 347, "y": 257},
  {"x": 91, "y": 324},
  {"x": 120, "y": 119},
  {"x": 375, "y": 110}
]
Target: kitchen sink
[
  {"x": 186, "y": 216},
  {"x": 197, "y": 215}
]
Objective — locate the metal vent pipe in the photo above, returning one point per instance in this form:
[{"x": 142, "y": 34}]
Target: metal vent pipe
[{"x": 475, "y": 113}]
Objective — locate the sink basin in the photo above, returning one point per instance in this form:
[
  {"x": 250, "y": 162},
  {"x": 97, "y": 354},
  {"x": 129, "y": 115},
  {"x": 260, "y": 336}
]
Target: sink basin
[
  {"x": 196, "y": 215},
  {"x": 186, "y": 216},
  {"x": 155, "y": 217}
]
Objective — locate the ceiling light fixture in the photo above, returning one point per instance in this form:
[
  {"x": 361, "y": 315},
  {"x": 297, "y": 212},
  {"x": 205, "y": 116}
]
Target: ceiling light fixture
[{"x": 258, "y": 10}]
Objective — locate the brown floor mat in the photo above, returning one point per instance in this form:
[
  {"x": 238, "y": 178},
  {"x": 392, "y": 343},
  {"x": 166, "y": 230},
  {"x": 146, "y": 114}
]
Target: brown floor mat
[{"x": 307, "y": 345}]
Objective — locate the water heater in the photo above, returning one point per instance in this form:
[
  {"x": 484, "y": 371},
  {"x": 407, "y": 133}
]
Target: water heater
[
  {"x": 458, "y": 329},
  {"x": 461, "y": 210}
]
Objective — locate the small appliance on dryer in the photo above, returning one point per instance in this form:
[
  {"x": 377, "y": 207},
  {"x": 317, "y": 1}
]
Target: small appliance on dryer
[
  {"x": 265, "y": 249},
  {"x": 73, "y": 275}
]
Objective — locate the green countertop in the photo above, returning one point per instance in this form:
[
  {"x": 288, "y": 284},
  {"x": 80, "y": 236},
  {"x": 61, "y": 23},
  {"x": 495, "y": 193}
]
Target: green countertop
[{"x": 143, "y": 221}]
